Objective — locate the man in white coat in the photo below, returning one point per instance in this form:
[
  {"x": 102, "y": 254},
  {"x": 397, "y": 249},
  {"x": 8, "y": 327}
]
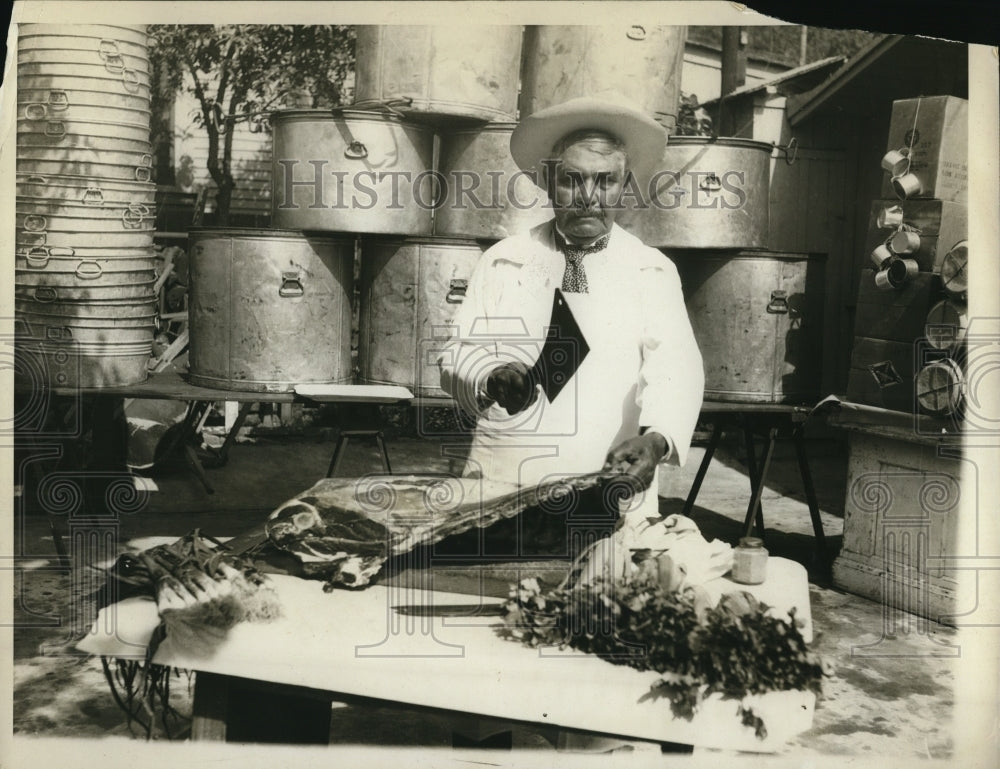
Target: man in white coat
[{"x": 635, "y": 398}]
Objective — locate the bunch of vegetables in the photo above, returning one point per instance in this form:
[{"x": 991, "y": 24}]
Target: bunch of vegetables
[{"x": 734, "y": 649}]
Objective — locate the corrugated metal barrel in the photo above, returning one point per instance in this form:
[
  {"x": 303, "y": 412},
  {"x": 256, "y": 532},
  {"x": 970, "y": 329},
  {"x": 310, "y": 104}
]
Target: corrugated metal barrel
[
  {"x": 410, "y": 291},
  {"x": 269, "y": 309}
]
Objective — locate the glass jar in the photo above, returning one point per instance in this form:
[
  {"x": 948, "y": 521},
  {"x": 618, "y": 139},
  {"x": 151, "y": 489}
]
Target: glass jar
[{"x": 750, "y": 561}]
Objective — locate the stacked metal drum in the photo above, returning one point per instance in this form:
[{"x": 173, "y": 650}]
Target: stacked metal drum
[{"x": 85, "y": 266}]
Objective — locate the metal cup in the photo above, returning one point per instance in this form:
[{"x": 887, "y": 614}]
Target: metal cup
[
  {"x": 882, "y": 282},
  {"x": 902, "y": 270},
  {"x": 904, "y": 242},
  {"x": 889, "y": 218},
  {"x": 896, "y": 161},
  {"x": 906, "y": 186},
  {"x": 881, "y": 256}
]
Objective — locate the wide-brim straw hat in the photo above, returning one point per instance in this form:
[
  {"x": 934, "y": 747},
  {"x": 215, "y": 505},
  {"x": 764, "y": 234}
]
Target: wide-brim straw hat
[{"x": 535, "y": 136}]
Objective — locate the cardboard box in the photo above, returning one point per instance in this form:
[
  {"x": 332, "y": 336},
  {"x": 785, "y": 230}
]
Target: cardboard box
[
  {"x": 899, "y": 315},
  {"x": 936, "y": 131},
  {"x": 942, "y": 224}
]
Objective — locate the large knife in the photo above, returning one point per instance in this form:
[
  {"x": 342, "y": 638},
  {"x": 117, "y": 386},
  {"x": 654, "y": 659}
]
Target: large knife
[{"x": 563, "y": 351}]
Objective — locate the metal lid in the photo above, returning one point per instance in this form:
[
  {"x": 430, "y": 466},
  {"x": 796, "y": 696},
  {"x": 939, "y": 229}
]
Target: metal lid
[
  {"x": 268, "y": 233},
  {"x": 751, "y": 542},
  {"x": 345, "y": 114}
]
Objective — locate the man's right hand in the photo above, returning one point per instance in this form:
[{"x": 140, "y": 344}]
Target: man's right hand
[{"x": 511, "y": 387}]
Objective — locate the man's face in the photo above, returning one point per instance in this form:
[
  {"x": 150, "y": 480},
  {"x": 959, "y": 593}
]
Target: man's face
[{"x": 588, "y": 182}]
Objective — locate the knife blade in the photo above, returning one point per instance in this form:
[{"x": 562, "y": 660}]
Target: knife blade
[{"x": 563, "y": 351}]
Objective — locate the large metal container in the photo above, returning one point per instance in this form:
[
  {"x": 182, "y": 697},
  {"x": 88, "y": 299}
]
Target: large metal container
[
  {"x": 49, "y": 289},
  {"x": 351, "y": 171},
  {"x": 410, "y": 290},
  {"x": 110, "y": 57},
  {"x": 56, "y": 328},
  {"x": 126, "y": 78},
  {"x": 105, "y": 125},
  {"x": 486, "y": 195},
  {"x": 115, "y": 167},
  {"x": 758, "y": 319},
  {"x": 269, "y": 309},
  {"x": 113, "y": 311},
  {"x": 55, "y": 223},
  {"x": 134, "y": 34},
  {"x": 440, "y": 72},
  {"x": 706, "y": 193},
  {"x": 59, "y": 137},
  {"x": 44, "y": 362},
  {"x": 46, "y": 100},
  {"x": 73, "y": 189},
  {"x": 93, "y": 79},
  {"x": 639, "y": 61}
]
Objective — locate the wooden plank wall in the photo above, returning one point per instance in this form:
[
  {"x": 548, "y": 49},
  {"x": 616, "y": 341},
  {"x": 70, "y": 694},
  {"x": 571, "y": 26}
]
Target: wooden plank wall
[{"x": 820, "y": 204}]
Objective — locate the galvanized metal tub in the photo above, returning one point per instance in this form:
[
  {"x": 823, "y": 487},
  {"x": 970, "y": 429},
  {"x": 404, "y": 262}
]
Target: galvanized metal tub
[
  {"x": 67, "y": 139},
  {"x": 410, "y": 290},
  {"x": 58, "y": 329},
  {"x": 87, "y": 99},
  {"x": 111, "y": 56},
  {"x": 639, "y": 61},
  {"x": 351, "y": 171},
  {"x": 87, "y": 274},
  {"x": 706, "y": 194},
  {"x": 64, "y": 224},
  {"x": 49, "y": 289},
  {"x": 465, "y": 72},
  {"x": 115, "y": 311},
  {"x": 73, "y": 189},
  {"x": 72, "y": 126},
  {"x": 758, "y": 320},
  {"x": 53, "y": 260},
  {"x": 128, "y": 79},
  {"x": 269, "y": 309},
  {"x": 69, "y": 80},
  {"x": 86, "y": 245},
  {"x": 38, "y": 164},
  {"x": 486, "y": 195},
  {"x": 43, "y": 363},
  {"x": 130, "y": 33}
]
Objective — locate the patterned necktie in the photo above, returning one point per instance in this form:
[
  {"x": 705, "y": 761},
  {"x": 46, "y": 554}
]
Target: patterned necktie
[{"x": 575, "y": 278}]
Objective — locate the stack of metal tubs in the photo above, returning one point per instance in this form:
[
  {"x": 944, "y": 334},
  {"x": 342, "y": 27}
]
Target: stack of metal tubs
[{"x": 85, "y": 264}]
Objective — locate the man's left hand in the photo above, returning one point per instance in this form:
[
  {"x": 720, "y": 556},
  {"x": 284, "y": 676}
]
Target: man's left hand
[{"x": 638, "y": 457}]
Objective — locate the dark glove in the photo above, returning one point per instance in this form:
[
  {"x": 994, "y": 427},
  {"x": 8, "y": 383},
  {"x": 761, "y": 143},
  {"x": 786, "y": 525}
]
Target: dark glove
[
  {"x": 638, "y": 457},
  {"x": 511, "y": 387}
]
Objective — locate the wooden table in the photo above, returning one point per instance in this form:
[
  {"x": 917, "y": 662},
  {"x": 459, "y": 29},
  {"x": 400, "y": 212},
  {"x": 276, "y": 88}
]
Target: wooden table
[
  {"x": 773, "y": 422},
  {"x": 410, "y": 644}
]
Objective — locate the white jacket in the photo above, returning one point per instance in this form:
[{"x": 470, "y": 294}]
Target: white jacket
[{"x": 643, "y": 369}]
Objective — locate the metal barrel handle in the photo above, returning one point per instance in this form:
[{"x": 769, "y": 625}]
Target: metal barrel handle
[
  {"x": 779, "y": 302},
  {"x": 55, "y": 128},
  {"x": 456, "y": 291},
  {"x": 58, "y": 100},
  {"x": 134, "y": 215},
  {"x": 93, "y": 196},
  {"x": 107, "y": 48},
  {"x": 61, "y": 251},
  {"x": 636, "y": 32},
  {"x": 143, "y": 174},
  {"x": 356, "y": 150},
  {"x": 790, "y": 150},
  {"x": 58, "y": 333},
  {"x": 36, "y": 110},
  {"x": 114, "y": 63},
  {"x": 130, "y": 79},
  {"x": 88, "y": 269},
  {"x": 35, "y": 223},
  {"x": 291, "y": 284},
  {"x": 45, "y": 294},
  {"x": 37, "y": 257}
]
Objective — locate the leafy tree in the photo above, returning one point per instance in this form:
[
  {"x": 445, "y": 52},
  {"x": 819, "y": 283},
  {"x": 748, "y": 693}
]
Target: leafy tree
[{"x": 239, "y": 73}]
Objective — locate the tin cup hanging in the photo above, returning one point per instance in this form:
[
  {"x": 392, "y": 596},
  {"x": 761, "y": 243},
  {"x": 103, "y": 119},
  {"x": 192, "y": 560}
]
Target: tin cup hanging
[
  {"x": 896, "y": 273},
  {"x": 906, "y": 185},
  {"x": 905, "y": 242},
  {"x": 890, "y": 218},
  {"x": 881, "y": 256},
  {"x": 896, "y": 162}
]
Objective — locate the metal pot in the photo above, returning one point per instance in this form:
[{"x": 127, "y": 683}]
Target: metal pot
[
  {"x": 133, "y": 33},
  {"x": 70, "y": 363},
  {"x": 140, "y": 171},
  {"x": 640, "y": 61},
  {"x": 410, "y": 291},
  {"x": 707, "y": 193},
  {"x": 486, "y": 195},
  {"x": 123, "y": 311},
  {"x": 72, "y": 189},
  {"x": 87, "y": 274},
  {"x": 269, "y": 309},
  {"x": 46, "y": 260},
  {"x": 86, "y": 96},
  {"x": 351, "y": 171},
  {"x": 125, "y": 83},
  {"x": 113, "y": 62},
  {"x": 57, "y": 217},
  {"x": 50, "y": 328},
  {"x": 86, "y": 246},
  {"x": 758, "y": 320},
  {"x": 48, "y": 293},
  {"x": 463, "y": 71}
]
